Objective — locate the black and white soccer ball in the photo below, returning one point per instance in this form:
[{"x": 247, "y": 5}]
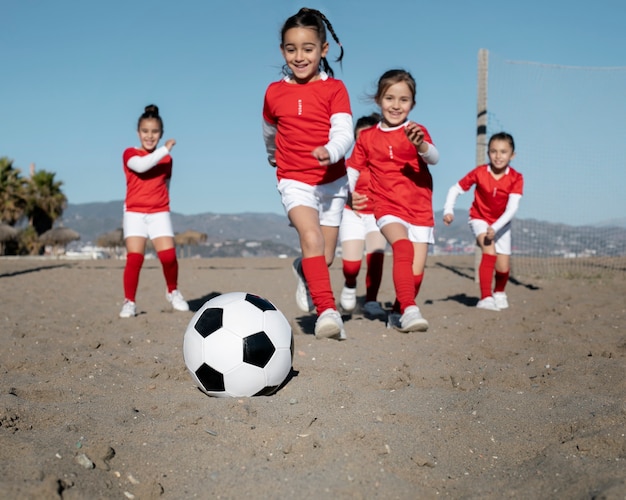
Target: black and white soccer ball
[{"x": 238, "y": 344}]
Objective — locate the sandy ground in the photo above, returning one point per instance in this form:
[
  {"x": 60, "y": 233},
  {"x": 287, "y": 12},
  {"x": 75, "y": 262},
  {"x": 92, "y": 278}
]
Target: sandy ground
[{"x": 525, "y": 403}]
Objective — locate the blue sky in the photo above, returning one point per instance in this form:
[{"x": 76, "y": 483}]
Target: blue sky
[{"x": 77, "y": 75}]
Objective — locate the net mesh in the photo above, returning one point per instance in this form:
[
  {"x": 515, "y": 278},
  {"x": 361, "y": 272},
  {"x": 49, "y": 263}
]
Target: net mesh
[{"x": 569, "y": 125}]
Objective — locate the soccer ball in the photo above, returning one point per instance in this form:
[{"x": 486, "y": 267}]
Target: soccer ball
[{"x": 238, "y": 344}]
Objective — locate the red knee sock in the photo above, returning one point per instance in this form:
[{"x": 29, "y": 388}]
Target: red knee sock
[
  {"x": 501, "y": 281},
  {"x": 417, "y": 282},
  {"x": 485, "y": 274},
  {"x": 318, "y": 279},
  {"x": 169, "y": 263},
  {"x": 134, "y": 261},
  {"x": 374, "y": 275},
  {"x": 351, "y": 270},
  {"x": 403, "y": 273}
]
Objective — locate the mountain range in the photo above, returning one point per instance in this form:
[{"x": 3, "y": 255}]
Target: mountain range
[{"x": 263, "y": 234}]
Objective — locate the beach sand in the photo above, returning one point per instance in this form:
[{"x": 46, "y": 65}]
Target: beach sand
[{"x": 529, "y": 402}]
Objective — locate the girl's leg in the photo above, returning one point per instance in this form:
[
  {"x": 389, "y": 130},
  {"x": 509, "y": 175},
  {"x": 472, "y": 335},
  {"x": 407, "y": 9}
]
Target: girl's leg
[
  {"x": 403, "y": 255},
  {"x": 135, "y": 248},
  {"x": 352, "y": 253},
  {"x": 375, "y": 244},
  {"x": 166, "y": 252},
  {"x": 485, "y": 273},
  {"x": 314, "y": 255},
  {"x": 502, "y": 272}
]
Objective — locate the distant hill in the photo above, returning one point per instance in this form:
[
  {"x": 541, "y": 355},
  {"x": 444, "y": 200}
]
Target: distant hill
[{"x": 262, "y": 234}]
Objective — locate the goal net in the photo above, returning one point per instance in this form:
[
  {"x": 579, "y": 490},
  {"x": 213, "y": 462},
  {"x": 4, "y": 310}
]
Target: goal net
[{"x": 569, "y": 126}]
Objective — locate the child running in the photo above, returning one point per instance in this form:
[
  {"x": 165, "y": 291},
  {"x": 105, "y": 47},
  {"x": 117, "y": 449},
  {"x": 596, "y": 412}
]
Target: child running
[
  {"x": 358, "y": 231},
  {"x": 148, "y": 171},
  {"x": 397, "y": 153},
  {"x": 496, "y": 199},
  {"x": 307, "y": 128}
]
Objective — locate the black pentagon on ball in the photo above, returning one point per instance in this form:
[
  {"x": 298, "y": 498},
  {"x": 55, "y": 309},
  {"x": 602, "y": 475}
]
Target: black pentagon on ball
[
  {"x": 209, "y": 321},
  {"x": 210, "y": 378},
  {"x": 260, "y": 302},
  {"x": 258, "y": 349}
]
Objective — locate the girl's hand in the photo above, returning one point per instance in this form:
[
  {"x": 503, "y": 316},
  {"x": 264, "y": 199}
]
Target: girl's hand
[
  {"x": 447, "y": 219},
  {"x": 321, "y": 153},
  {"x": 170, "y": 143},
  {"x": 414, "y": 133},
  {"x": 491, "y": 234},
  {"x": 359, "y": 201}
]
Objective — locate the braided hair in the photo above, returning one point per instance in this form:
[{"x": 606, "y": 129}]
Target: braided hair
[{"x": 315, "y": 20}]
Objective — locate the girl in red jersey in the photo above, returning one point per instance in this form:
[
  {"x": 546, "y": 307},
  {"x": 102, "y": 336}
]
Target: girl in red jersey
[
  {"x": 307, "y": 128},
  {"x": 496, "y": 199},
  {"x": 148, "y": 170},
  {"x": 358, "y": 232},
  {"x": 397, "y": 153}
]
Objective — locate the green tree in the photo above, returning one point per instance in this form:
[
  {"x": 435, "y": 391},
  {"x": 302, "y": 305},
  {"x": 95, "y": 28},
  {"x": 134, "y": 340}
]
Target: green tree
[
  {"x": 12, "y": 192},
  {"x": 45, "y": 200}
]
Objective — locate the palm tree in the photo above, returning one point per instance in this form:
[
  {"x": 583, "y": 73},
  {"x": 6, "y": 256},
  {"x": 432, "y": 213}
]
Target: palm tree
[
  {"x": 45, "y": 200},
  {"x": 12, "y": 192}
]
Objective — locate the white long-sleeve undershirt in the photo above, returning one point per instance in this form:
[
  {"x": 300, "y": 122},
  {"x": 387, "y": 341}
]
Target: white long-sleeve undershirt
[
  {"x": 141, "y": 164},
  {"x": 509, "y": 212}
]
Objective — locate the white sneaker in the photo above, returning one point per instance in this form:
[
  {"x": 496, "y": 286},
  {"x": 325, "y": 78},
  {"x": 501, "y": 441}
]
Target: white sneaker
[
  {"x": 129, "y": 309},
  {"x": 501, "y": 299},
  {"x": 303, "y": 297},
  {"x": 412, "y": 321},
  {"x": 372, "y": 310},
  {"x": 488, "y": 303},
  {"x": 348, "y": 299},
  {"x": 329, "y": 325},
  {"x": 176, "y": 299}
]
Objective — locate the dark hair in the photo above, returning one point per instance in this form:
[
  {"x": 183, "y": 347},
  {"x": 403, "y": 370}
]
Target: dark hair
[
  {"x": 502, "y": 136},
  {"x": 367, "y": 121},
  {"x": 392, "y": 77},
  {"x": 151, "y": 111},
  {"x": 315, "y": 20}
]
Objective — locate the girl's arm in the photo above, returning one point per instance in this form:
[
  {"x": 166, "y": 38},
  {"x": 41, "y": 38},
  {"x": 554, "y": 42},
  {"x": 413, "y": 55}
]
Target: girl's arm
[
  {"x": 448, "y": 207},
  {"x": 510, "y": 210},
  {"x": 142, "y": 164},
  {"x": 269, "y": 137},
  {"x": 431, "y": 156},
  {"x": 341, "y": 136}
]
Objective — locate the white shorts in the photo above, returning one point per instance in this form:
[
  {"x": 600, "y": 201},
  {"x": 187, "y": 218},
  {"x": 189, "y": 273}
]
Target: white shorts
[
  {"x": 328, "y": 199},
  {"x": 356, "y": 226},
  {"x": 150, "y": 226},
  {"x": 417, "y": 234},
  {"x": 503, "y": 237}
]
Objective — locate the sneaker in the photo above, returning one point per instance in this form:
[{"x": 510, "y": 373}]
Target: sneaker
[
  {"x": 501, "y": 300},
  {"x": 129, "y": 309},
  {"x": 178, "y": 302},
  {"x": 303, "y": 297},
  {"x": 372, "y": 310},
  {"x": 488, "y": 303},
  {"x": 348, "y": 299},
  {"x": 393, "y": 320},
  {"x": 329, "y": 325},
  {"x": 412, "y": 321}
]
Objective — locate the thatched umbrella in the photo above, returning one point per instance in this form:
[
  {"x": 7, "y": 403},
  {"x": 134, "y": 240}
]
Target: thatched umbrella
[
  {"x": 59, "y": 237},
  {"x": 112, "y": 239},
  {"x": 189, "y": 237},
  {"x": 7, "y": 233}
]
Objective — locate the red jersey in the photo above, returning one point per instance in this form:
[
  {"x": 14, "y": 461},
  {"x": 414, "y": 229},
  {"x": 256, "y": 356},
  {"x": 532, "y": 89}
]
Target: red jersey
[
  {"x": 401, "y": 183},
  {"x": 301, "y": 113},
  {"x": 491, "y": 196},
  {"x": 147, "y": 192}
]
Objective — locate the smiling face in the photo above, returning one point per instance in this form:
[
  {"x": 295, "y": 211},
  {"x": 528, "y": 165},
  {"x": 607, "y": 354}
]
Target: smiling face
[
  {"x": 395, "y": 104},
  {"x": 303, "y": 51},
  {"x": 149, "y": 133},
  {"x": 500, "y": 154}
]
